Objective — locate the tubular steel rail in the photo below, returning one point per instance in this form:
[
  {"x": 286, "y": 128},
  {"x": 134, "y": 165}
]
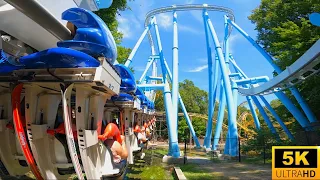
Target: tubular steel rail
[
  {"x": 306, "y": 66},
  {"x": 186, "y": 8}
]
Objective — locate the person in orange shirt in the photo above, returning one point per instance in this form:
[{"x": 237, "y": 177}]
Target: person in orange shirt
[{"x": 116, "y": 142}]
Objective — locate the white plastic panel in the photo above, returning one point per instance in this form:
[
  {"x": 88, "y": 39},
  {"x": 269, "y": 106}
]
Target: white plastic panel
[{"x": 39, "y": 131}]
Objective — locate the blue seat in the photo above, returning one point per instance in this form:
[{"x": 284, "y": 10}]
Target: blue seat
[
  {"x": 152, "y": 105},
  {"x": 145, "y": 101},
  {"x": 58, "y": 58},
  {"x": 139, "y": 93},
  {"x": 122, "y": 97},
  {"x": 8, "y": 63},
  {"x": 149, "y": 104},
  {"x": 92, "y": 36},
  {"x": 128, "y": 83}
]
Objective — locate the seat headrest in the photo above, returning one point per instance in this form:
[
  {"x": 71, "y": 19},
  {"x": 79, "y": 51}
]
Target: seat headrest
[
  {"x": 128, "y": 82},
  {"x": 113, "y": 131},
  {"x": 92, "y": 35}
]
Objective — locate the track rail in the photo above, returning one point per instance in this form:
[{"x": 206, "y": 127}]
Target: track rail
[
  {"x": 306, "y": 66},
  {"x": 188, "y": 7}
]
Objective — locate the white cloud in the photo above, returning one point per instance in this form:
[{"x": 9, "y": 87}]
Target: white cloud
[
  {"x": 203, "y": 60},
  {"x": 124, "y": 27},
  {"x": 233, "y": 38},
  {"x": 128, "y": 25},
  {"x": 189, "y": 29},
  {"x": 164, "y": 21},
  {"x": 198, "y": 69},
  {"x": 197, "y": 15},
  {"x": 144, "y": 6}
]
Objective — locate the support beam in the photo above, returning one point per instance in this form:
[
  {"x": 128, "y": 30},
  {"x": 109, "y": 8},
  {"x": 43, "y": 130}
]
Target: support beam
[
  {"x": 151, "y": 86},
  {"x": 251, "y": 81},
  {"x": 174, "y": 149},
  {"x": 278, "y": 119},
  {"x": 265, "y": 117},
  {"x": 269, "y": 58},
  {"x": 184, "y": 110},
  {"x": 283, "y": 98},
  {"x": 222, "y": 106},
  {"x": 253, "y": 112},
  {"x": 229, "y": 98},
  {"x": 175, "y": 73},
  {"x": 137, "y": 45},
  {"x": 150, "y": 61},
  {"x": 211, "y": 67},
  {"x": 154, "y": 78}
]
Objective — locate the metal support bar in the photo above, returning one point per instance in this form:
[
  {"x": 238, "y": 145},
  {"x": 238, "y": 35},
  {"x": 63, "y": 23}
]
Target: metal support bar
[
  {"x": 222, "y": 106},
  {"x": 282, "y": 97},
  {"x": 268, "y": 57},
  {"x": 175, "y": 72},
  {"x": 184, "y": 110},
  {"x": 211, "y": 67},
  {"x": 137, "y": 45},
  {"x": 251, "y": 81},
  {"x": 150, "y": 60},
  {"x": 225, "y": 75},
  {"x": 278, "y": 119},
  {"x": 265, "y": 117},
  {"x": 174, "y": 149}
]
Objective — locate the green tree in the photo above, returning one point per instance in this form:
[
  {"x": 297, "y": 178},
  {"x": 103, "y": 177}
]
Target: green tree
[
  {"x": 109, "y": 16},
  {"x": 284, "y": 30},
  {"x": 159, "y": 103},
  {"x": 195, "y": 99}
]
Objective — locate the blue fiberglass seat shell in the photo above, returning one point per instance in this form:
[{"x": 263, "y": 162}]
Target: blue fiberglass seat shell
[
  {"x": 122, "y": 97},
  {"x": 92, "y": 35},
  {"x": 58, "y": 58},
  {"x": 151, "y": 105},
  {"x": 145, "y": 102},
  {"x": 128, "y": 83},
  {"x": 139, "y": 93},
  {"x": 7, "y": 63}
]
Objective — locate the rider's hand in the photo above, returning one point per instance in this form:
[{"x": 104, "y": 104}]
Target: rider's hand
[{"x": 123, "y": 138}]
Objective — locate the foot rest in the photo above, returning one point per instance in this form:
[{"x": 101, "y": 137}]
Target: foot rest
[
  {"x": 63, "y": 165},
  {"x": 19, "y": 157}
]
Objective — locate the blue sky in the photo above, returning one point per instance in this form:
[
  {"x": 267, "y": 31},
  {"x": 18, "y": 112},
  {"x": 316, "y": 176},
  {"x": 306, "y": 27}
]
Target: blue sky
[{"x": 192, "y": 47}]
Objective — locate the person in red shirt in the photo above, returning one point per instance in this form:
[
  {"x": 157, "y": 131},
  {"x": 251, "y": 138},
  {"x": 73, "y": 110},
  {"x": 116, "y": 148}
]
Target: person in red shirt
[
  {"x": 60, "y": 134},
  {"x": 116, "y": 142}
]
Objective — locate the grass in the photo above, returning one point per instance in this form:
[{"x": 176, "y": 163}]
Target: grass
[
  {"x": 161, "y": 151},
  {"x": 151, "y": 167},
  {"x": 155, "y": 172},
  {"x": 193, "y": 172}
]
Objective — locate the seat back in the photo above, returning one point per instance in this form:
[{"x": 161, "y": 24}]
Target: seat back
[
  {"x": 107, "y": 163},
  {"x": 92, "y": 36}
]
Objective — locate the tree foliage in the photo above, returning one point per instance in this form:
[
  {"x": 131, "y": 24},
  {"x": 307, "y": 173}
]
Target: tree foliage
[
  {"x": 284, "y": 30},
  {"x": 195, "y": 99},
  {"x": 109, "y": 16}
]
